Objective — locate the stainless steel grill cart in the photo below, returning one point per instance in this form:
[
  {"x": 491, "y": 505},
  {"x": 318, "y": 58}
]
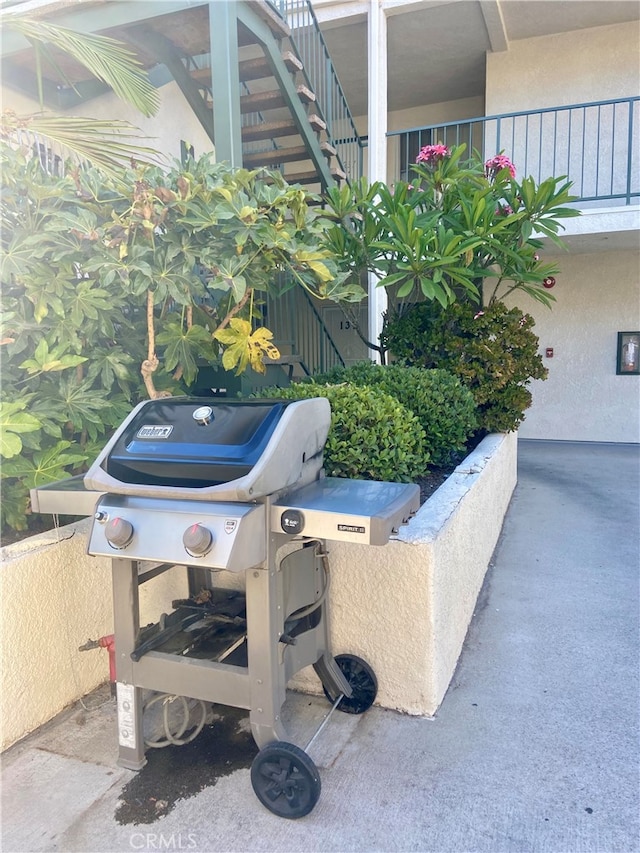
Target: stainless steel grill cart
[{"x": 237, "y": 486}]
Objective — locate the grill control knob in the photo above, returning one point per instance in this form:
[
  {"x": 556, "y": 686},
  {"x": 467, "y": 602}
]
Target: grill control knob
[
  {"x": 197, "y": 540},
  {"x": 119, "y": 532}
]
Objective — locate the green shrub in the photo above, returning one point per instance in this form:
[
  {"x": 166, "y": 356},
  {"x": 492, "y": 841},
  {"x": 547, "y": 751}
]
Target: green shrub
[
  {"x": 372, "y": 435},
  {"x": 493, "y": 351},
  {"x": 444, "y": 406}
]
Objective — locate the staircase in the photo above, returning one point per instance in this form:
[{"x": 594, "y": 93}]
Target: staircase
[
  {"x": 289, "y": 114},
  {"x": 248, "y": 86},
  {"x": 259, "y": 79}
]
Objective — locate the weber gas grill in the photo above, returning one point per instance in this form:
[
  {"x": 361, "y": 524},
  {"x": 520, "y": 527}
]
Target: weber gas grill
[{"x": 237, "y": 486}]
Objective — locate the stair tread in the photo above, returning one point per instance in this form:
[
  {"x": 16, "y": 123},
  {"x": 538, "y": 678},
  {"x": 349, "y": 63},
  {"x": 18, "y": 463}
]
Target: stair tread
[
  {"x": 312, "y": 177},
  {"x": 276, "y": 24},
  {"x": 272, "y": 100},
  {"x": 275, "y": 129},
  {"x": 251, "y": 69},
  {"x": 259, "y": 67},
  {"x": 286, "y": 154},
  {"x": 277, "y": 155}
]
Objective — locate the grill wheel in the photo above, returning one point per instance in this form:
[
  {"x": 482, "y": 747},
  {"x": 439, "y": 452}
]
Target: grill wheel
[
  {"x": 362, "y": 681},
  {"x": 285, "y": 780}
]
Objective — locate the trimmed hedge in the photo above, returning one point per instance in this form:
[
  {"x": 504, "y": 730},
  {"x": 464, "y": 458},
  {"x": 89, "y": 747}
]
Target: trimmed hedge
[
  {"x": 372, "y": 435},
  {"x": 493, "y": 351},
  {"x": 444, "y": 406}
]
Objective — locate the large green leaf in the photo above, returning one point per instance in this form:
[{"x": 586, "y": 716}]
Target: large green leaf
[{"x": 14, "y": 422}]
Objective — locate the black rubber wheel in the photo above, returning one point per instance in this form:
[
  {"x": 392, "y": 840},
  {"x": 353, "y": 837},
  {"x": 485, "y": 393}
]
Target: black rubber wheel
[
  {"x": 362, "y": 681},
  {"x": 285, "y": 780}
]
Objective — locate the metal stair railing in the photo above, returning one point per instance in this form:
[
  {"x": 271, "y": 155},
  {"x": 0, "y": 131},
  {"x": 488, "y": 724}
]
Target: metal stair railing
[
  {"x": 298, "y": 325},
  {"x": 308, "y": 43}
]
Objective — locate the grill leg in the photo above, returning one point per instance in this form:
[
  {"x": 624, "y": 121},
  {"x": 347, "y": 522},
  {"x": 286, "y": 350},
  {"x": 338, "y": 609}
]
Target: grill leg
[
  {"x": 126, "y": 624},
  {"x": 264, "y": 628}
]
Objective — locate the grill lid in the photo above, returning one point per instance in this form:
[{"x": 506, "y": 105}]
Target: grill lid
[{"x": 218, "y": 450}]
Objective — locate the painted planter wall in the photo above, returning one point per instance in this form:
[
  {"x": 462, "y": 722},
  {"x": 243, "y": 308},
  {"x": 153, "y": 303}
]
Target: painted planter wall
[
  {"x": 404, "y": 607},
  {"x": 54, "y": 598}
]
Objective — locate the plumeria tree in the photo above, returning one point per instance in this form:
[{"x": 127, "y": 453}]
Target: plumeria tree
[{"x": 462, "y": 228}]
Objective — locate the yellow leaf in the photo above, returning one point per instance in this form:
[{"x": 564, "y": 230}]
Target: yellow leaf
[{"x": 320, "y": 270}]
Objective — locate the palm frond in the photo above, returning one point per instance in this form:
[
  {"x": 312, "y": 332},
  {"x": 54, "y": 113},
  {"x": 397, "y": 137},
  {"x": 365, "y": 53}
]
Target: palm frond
[
  {"x": 105, "y": 58},
  {"x": 106, "y": 144}
]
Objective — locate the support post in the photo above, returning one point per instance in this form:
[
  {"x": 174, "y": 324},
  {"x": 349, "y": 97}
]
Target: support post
[
  {"x": 225, "y": 83},
  {"x": 377, "y": 129},
  {"x": 126, "y": 625}
]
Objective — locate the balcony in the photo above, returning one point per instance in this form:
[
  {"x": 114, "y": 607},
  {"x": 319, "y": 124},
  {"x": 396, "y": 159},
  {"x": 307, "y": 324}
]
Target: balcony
[{"x": 597, "y": 145}]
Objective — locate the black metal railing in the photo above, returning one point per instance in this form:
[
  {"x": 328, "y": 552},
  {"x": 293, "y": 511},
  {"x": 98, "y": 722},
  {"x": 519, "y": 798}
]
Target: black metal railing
[
  {"x": 597, "y": 145},
  {"x": 300, "y": 331},
  {"x": 308, "y": 42}
]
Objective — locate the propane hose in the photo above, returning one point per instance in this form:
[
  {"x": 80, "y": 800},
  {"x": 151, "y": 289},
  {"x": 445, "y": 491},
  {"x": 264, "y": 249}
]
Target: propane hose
[{"x": 175, "y": 739}]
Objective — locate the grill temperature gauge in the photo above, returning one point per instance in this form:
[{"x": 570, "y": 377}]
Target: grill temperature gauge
[{"x": 197, "y": 540}]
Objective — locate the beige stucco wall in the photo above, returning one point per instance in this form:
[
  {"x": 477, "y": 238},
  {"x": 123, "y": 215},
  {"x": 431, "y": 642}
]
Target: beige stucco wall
[
  {"x": 54, "y": 597},
  {"x": 567, "y": 68},
  {"x": 405, "y": 608},
  {"x": 598, "y": 295},
  {"x": 174, "y": 121}
]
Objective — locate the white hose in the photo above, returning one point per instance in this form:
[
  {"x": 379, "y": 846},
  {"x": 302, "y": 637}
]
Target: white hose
[{"x": 175, "y": 738}]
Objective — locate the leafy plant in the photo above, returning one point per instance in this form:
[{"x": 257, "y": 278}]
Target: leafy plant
[
  {"x": 113, "y": 289},
  {"x": 444, "y": 406},
  {"x": 494, "y": 352},
  {"x": 457, "y": 226},
  {"x": 372, "y": 435},
  {"x": 106, "y": 144}
]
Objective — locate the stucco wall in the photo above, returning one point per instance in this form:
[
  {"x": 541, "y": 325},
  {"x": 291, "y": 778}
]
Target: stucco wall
[
  {"x": 598, "y": 295},
  {"x": 54, "y": 598},
  {"x": 405, "y": 607},
  {"x": 567, "y": 68}
]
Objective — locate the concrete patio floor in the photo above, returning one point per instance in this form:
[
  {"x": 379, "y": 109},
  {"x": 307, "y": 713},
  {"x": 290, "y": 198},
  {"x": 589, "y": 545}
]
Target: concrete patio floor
[{"x": 535, "y": 748}]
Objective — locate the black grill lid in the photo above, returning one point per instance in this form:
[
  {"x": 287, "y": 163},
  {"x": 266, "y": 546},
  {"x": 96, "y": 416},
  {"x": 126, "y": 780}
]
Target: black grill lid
[
  {"x": 202, "y": 448},
  {"x": 193, "y": 442}
]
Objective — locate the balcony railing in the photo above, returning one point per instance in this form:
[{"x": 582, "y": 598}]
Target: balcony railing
[{"x": 597, "y": 145}]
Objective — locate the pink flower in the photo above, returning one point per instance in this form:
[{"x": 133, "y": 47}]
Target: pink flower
[
  {"x": 479, "y": 314},
  {"x": 504, "y": 209},
  {"x": 549, "y": 282},
  {"x": 536, "y": 257},
  {"x": 430, "y": 154},
  {"x": 497, "y": 164}
]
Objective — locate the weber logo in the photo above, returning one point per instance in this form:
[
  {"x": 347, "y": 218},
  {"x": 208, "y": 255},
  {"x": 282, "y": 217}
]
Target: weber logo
[
  {"x": 351, "y": 528},
  {"x": 292, "y": 521},
  {"x": 230, "y": 525},
  {"x": 154, "y": 431}
]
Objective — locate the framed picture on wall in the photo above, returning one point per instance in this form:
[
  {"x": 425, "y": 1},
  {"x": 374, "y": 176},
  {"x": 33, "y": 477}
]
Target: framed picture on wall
[{"x": 628, "y": 363}]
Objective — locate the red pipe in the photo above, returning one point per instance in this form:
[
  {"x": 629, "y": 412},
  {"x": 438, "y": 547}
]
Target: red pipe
[{"x": 108, "y": 642}]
